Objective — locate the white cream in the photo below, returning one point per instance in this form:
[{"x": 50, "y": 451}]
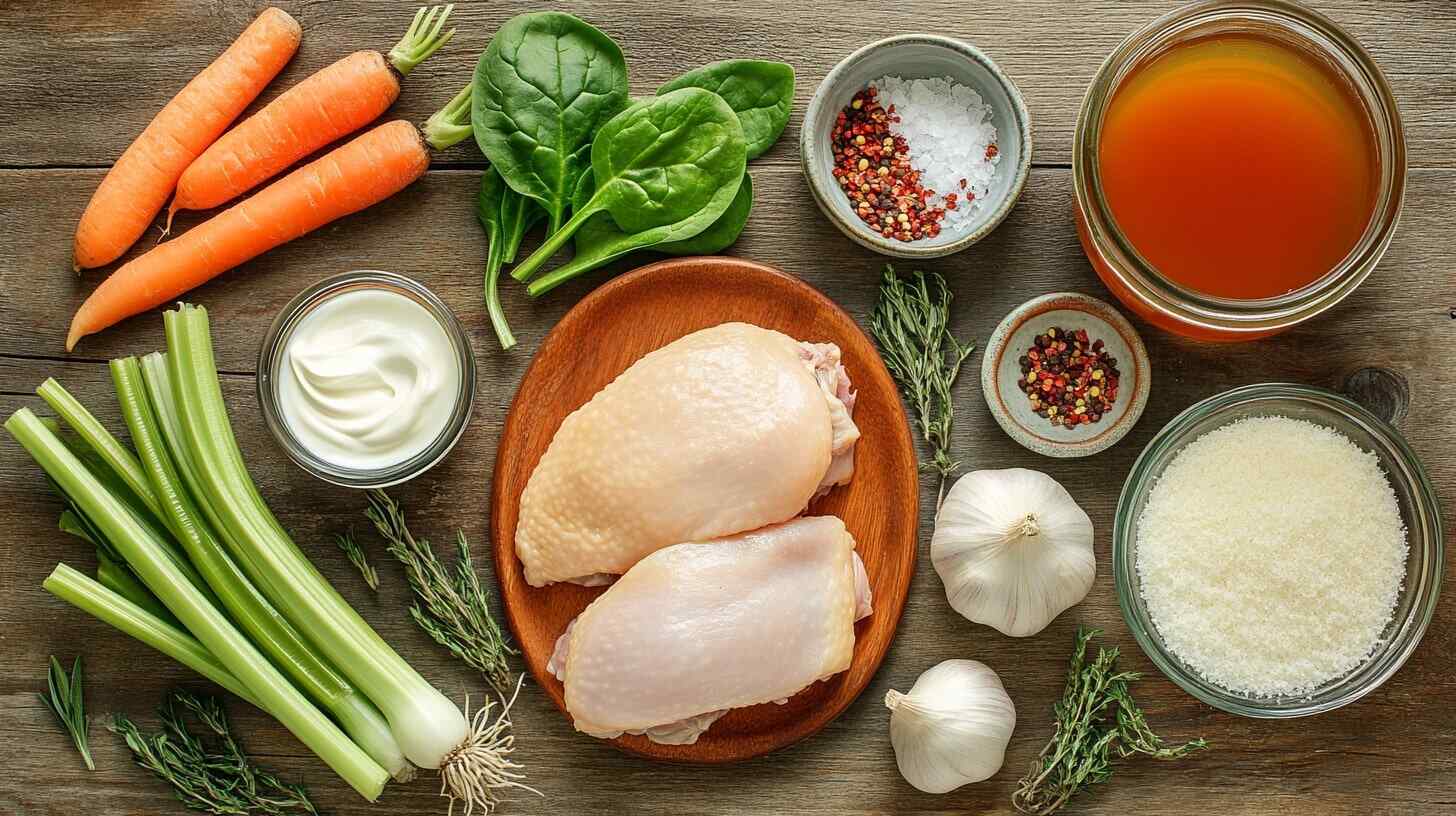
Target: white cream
[{"x": 368, "y": 379}]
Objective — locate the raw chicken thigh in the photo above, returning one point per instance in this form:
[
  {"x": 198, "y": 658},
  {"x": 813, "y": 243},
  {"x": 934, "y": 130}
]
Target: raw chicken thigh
[
  {"x": 724, "y": 430},
  {"x": 696, "y": 629}
]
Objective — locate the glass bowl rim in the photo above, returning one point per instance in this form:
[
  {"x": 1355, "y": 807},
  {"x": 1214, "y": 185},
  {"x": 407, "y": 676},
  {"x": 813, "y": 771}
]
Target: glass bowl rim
[
  {"x": 1431, "y": 546},
  {"x": 275, "y": 341}
]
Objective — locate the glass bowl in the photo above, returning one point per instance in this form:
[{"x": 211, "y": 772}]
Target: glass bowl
[
  {"x": 1135, "y": 281},
  {"x": 271, "y": 357},
  {"x": 1419, "y": 510}
]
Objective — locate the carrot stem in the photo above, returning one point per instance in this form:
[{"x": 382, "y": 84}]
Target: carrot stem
[
  {"x": 422, "y": 39},
  {"x": 451, "y": 124}
]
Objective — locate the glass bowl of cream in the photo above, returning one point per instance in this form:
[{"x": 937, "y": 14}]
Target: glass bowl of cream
[{"x": 366, "y": 379}]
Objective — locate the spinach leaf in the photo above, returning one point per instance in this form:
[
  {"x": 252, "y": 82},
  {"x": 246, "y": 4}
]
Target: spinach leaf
[
  {"x": 545, "y": 84},
  {"x": 665, "y": 169},
  {"x": 760, "y": 92},
  {"x": 506, "y": 216},
  {"x": 600, "y": 241},
  {"x": 722, "y": 233}
]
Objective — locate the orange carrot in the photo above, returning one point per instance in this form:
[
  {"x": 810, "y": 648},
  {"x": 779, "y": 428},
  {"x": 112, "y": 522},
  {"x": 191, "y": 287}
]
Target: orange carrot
[
  {"x": 365, "y": 171},
  {"x": 327, "y": 106},
  {"x": 134, "y": 191}
]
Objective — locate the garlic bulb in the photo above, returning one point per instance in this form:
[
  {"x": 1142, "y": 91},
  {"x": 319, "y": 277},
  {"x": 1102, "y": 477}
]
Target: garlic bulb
[
  {"x": 1013, "y": 549},
  {"x": 953, "y": 726}
]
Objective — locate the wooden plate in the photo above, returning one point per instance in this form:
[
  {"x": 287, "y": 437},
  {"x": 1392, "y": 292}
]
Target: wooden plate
[{"x": 611, "y": 329}]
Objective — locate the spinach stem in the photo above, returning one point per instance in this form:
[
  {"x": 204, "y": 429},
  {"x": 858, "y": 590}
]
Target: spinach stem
[{"x": 554, "y": 241}]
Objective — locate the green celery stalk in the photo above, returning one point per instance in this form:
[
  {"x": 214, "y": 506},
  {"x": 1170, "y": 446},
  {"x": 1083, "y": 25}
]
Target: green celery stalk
[
  {"x": 108, "y": 447},
  {"x": 427, "y": 725},
  {"x": 267, "y": 629},
  {"x": 107, "y": 606},
  {"x": 119, "y": 472},
  {"x": 119, "y": 579},
  {"x": 147, "y": 556}
]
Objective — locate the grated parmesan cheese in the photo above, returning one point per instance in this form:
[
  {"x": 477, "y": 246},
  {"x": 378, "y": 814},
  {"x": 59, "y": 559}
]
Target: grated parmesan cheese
[{"x": 1271, "y": 555}]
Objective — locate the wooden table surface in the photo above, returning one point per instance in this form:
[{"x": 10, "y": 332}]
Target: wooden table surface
[{"x": 80, "y": 79}]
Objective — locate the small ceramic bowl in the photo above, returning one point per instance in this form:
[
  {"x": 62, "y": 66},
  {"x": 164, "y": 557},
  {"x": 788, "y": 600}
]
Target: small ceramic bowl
[
  {"x": 1001, "y": 368},
  {"x": 918, "y": 56}
]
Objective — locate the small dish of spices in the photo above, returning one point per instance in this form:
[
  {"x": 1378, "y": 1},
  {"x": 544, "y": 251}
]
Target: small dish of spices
[
  {"x": 916, "y": 146},
  {"x": 1068, "y": 377},
  {"x": 1065, "y": 375}
]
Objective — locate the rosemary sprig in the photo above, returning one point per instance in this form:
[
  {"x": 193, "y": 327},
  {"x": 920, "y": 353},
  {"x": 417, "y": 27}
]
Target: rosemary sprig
[
  {"x": 1097, "y": 722},
  {"x": 911, "y": 324},
  {"x": 65, "y": 700},
  {"x": 355, "y": 553},
  {"x": 454, "y": 610},
  {"x": 220, "y": 779}
]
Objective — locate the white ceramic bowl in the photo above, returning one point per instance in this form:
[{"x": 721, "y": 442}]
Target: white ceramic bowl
[{"x": 918, "y": 56}]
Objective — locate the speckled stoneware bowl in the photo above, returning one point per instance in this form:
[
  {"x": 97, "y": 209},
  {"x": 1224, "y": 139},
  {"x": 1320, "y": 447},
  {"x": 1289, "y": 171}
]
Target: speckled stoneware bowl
[
  {"x": 1001, "y": 368},
  {"x": 918, "y": 56}
]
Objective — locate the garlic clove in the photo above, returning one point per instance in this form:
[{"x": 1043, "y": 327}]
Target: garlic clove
[
  {"x": 953, "y": 726},
  {"x": 1013, "y": 549}
]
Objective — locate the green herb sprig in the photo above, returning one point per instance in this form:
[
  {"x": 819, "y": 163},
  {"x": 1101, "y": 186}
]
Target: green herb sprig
[
  {"x": 911, "y": 324},
  {"x": 220, "y": 779},
  {"x": 65, "y": 699},
  {"x": 355, "y": 553},
  {"x": 452, "y": 609},
  {"x": 1097, "y": 722}
]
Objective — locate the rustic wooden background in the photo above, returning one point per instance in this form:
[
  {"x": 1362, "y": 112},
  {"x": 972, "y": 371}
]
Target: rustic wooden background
[{"x": 79, "y": 80}]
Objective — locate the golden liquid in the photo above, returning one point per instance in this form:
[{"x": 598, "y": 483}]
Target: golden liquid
[{"x": 1239, "y": 166}]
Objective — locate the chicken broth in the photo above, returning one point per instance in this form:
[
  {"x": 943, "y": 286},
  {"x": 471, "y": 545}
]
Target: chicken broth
[{"x": 1239, "y": 166}]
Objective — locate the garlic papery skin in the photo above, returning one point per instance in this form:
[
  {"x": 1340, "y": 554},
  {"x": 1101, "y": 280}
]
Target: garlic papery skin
[
  {"x": 953, "y": 726},
  {"x": 1013, "y": 549}
]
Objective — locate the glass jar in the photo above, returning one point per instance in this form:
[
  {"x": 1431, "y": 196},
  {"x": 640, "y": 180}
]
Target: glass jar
[
  {"x": 272, "y": 356},
  {"x": 1132, "y": 278}
]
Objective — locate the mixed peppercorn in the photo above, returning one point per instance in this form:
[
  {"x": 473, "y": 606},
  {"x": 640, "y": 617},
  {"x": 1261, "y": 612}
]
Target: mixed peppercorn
[
  {"x": 872, "y": 166},
  {"x": 1068, "y": 379}
]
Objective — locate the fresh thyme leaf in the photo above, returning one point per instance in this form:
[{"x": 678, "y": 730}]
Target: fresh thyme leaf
[
  {"x": 65, "y": 700},
  {"x": 355, "y": 553},
  {"x": 220, "y": 779},
  {"x": 1097, "y": 723},
  {"x": 911, "y": 324},
  {"x": 452, "y": 609}
]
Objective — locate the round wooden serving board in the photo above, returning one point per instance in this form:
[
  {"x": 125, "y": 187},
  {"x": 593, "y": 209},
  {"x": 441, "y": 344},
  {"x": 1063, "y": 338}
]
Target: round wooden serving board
[{"x": 611, "y": 329}]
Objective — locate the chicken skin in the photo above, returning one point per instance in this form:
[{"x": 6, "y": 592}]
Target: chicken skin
[
  {"x": 697, "y": 629},
  {"x": 725, "y": 430}
]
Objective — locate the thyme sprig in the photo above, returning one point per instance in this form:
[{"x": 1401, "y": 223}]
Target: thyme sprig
[
  {"x": 1097, "y": 723},
  {"x": 65, "y": 699},
  {"x": 911, "y": 324},
  {"x": 220, "y": 779},
  {"x": 356, "y": 555},
  {"x": 452, "y": 609}
]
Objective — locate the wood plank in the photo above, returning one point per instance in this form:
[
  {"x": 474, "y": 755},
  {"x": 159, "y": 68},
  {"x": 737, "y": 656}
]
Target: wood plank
[
  {"x": 1390, "y": 753},
  {"x": 121, "y": 61},
  {"x": 429, "y": 232},
  {"x": 81, "y": 79}
]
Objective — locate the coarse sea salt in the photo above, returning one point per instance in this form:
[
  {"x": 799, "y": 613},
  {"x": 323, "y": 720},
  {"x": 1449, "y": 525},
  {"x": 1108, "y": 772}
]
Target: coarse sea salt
[{"x": 947, "y": 128}]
